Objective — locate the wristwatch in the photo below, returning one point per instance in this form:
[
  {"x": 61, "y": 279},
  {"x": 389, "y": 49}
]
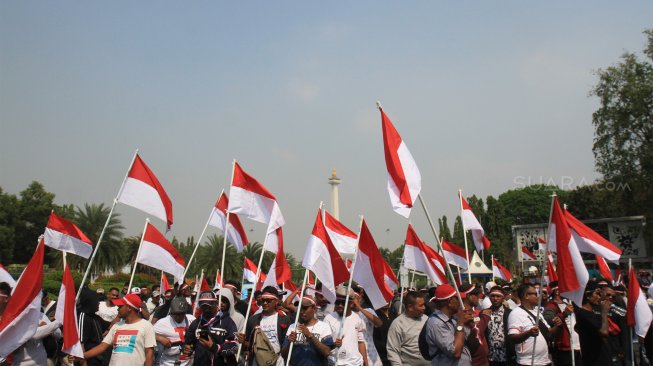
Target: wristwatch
[{"x": 459, "y": 328}]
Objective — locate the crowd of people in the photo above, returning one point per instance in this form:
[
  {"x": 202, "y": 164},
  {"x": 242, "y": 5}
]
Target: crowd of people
[{"x": 524, "y": 324}]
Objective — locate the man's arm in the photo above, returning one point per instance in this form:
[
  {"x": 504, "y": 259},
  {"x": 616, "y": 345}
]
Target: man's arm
[
  {"x": 149, "y": 356},
  {"x": 96, "y": 351},
  {"x": 363, "y": 351},
  {"x": 394, "y": 343}
]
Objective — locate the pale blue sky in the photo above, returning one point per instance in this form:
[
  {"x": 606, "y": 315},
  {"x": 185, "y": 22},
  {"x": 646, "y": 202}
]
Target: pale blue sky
[{"x": 485, "y": 95}]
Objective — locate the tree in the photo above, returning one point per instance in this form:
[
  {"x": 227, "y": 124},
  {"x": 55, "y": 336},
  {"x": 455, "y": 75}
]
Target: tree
[
  {"x": 8, "y": 217},
  {"x": 111, "y": 254},
  {"x": 209, "y": 258},
  {"x": 34, "y": 209},
  {"x": 444, "y": 230},
  {"x": 458, "y": 232}
]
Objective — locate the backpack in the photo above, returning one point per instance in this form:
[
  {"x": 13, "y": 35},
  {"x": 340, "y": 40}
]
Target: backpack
[
  {"x": 423, "y": 344},
  {"x": 262, "y": 349}
]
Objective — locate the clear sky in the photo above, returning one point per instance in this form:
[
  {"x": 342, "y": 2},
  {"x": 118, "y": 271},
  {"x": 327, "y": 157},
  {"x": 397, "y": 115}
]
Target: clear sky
[{"x": 488, "y": 95}]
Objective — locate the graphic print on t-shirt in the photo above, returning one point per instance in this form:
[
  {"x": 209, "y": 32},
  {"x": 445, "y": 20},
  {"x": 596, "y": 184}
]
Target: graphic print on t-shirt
[{"x": 124, "y": 340}]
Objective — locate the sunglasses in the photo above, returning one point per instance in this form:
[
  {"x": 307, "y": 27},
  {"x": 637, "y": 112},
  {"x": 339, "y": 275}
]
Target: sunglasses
[
  {"x": 339, "y": 302},
  {"x": 266, "y": 300}
]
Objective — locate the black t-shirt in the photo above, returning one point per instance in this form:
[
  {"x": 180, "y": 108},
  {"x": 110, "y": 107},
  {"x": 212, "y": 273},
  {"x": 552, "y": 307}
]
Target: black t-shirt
[
  {"x": 380, "y": 336},
  {"x": 593, "y": 347}
]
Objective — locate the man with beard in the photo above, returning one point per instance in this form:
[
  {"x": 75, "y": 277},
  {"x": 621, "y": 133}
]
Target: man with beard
[
  {"x": 312, "y": 339},
  {"x": 500, "y": 352},
  {"x": 211, "y": 336}
]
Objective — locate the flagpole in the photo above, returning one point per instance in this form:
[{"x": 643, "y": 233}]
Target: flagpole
[
  {"x": 197, "y": 245},
  {"x": 494, "y": 278},
  {"x": 351, "y": 275},
  {"x": 140, "y": 245},
  {"x": 462, "y": 221},
  {"x": 630, "y": 329},
  {"x": 199, "y": 291},
  {"x": 106, "y": 224},
  {"x": 299, "y": 307},
  {"x": 539, "y": 295},
  {"x": 64, "y": 260},
  {"x": 439, "y": 247}
]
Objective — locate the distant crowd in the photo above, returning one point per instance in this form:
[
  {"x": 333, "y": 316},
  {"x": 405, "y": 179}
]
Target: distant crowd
[{"x": 489, "y": 325}]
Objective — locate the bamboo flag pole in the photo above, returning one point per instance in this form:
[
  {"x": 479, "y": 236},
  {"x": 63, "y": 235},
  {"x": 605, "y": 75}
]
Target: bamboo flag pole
[
  {"x": 299, "y": 309},
  {"x": 630, "y": 329},
  {"x": 462, "y": 221},
  {"x": 199, "y": 241},
  {"x": 224, "y": 236},
  {"x": 539, "y": 295},
  {"x": 351, "y": 275},
  {"x": 199, "y": 291},
  {"x": 106, "y": 224},
  {"x": 140, "y": 245},
  {"x": 439, "y": 247}
]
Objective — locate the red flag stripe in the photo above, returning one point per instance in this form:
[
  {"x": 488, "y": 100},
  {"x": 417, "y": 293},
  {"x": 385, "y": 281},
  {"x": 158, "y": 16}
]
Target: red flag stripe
[
  {"x": 140, "y": 171},
  {"x": 247, "y": 182}
]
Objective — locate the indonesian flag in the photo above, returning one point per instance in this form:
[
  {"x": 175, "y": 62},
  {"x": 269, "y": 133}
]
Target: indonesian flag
[
  {"x": 604, "y": 270},
  {"x": 205, "y": 285},
  {"x": 368, "y": 271},
  {"x": 22, "y": 313},
  {"x": 342, "y": 238},
  {"x": 550, "y": 268},
  {"x": 66, "y": 314},
  {"x": 389, "y": 275},
  {"x": 572, "y": 273},
  {"x": 527, "y": 255},
  {"x": 6, "y": 277},
  {"x": 218, "y": 280},
  {"x": 323, "y": 259},
  {"x": 500, "y": 271},
  {"x": 249, "y": 271},
  {"x": 455, "y": 254},
  {"x": 157, "y": 252},
  {"x": 404, "y": 179},
  {"x": 250, "y": 199},
  {"x": 143, "y": 191},
  {"x": 471, "y": 223},
  {"x": 420, "y": 257},
  {"x": 348, "y": 264},
  {"x": 638, "y": 313},
  {"x": 541, "y": 244},
  {"x": 310, "y": 281},
  {"x": 63, "y": 235},
  {"x": 279, "y": 269},
  {"x": 165, "y": 285},
  {"x": 235, "y": 234},
  {"x": 589, "y": 241}
]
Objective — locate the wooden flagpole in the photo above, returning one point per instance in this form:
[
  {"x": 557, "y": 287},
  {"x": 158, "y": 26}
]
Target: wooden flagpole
[
  {"x": 462, "y": 221},
  {"x": 140, "y": 245}
]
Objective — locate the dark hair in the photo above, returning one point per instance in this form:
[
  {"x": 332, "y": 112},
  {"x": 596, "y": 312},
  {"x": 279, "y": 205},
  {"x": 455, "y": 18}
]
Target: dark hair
[
  {"x": 114, "y": 289},
  {"x": 521, "y": 290},
  {"x": 411, "y": 298},
  {"x": 233, "y": 283},
  {"x": 590, "y": 288},
  {"x": 5, "y": 288}
]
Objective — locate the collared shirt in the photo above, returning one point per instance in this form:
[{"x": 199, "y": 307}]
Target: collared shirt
[
  {"x": 496, "y": 337},
  {"x": 440, "y": 336}
]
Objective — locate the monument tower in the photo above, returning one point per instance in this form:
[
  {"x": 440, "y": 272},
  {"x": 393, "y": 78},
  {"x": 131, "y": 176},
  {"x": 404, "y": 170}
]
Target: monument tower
[{"x": 334, "y": 181}]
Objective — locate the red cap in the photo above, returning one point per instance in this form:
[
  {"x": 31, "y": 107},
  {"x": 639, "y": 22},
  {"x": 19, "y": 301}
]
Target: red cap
[
  {"x": 132, "y": 300},
  {"x": 444, "y": 291}
]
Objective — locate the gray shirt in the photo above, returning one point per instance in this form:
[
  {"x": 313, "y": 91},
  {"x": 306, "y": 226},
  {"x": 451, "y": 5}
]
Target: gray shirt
[
  {"x": 440, "y": 336},
  {"x": 402, "y": 346}
]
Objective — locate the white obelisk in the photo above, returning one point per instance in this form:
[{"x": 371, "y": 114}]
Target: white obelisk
[{"x": 334, "y": 181}]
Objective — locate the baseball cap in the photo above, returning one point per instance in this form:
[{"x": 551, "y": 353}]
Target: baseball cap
[
  {"x": 444, "y": 292},
  {"x": 207, "y": 297},
  {"x": 179, "y": 305},
  {"x": 135, "y": 290},
  {"x": 131, "y": 300}
]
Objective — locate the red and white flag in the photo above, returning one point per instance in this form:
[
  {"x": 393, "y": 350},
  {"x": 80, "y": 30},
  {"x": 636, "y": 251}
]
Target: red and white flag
[
  {"x": 22, "y": 313},
  {"x": 204, "y": 287},
  {"x": 420, "y": 257},
  {"x": 404, "y": 179},
  {"x": 279, "y": 269},
  {"x": 66, "y": 314},
  {"x": 342, "y": 238},
  {"x": 589, "y": 241},
  {"x": 638, "y": 313},
  {"x": 250, "y": 199},
  {"x": 156, "y": 251},
  {"x": 321, "y": 257},
  {"x": 604, "y": 270},
  {"x": 165, "y": 285},
  {"x": 390, "y": 277},
  {"x": 249, "y": 271},
  {"x": 500, "y": 271},
  {"x": 368, "y": 271},
  {"x": 218, "y": 281},
  {"x": 455, "y": 254},
  {"x": 527, "y": 255},
  {"x": 471, "y": 223},
  {"x": 236, "y": 233},
  {"x": 6, "y": 277},
  {"x": 348, "y": 263},
  {"x": 572, "y": 273},
  {"x": 63, "y": 235},
  {"x": 541, "y": 244},
  {"x": 550, "y": 268},
  {"x": 143, "y": 191}
]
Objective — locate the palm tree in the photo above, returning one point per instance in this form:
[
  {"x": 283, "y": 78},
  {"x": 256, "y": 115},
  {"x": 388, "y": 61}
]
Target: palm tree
[
  {"x": 253, "y": 252},
  {"x": 209, "y": 258},
  {"x": 91, "y": 220}
]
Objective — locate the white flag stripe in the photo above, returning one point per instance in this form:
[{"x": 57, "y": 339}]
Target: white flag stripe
[
  {"x": 643, "y": 315},
  {"x": 364, "y": 276},
  {"x": 344, "y": 244},
  {"x": 249, "y": 275},
  {"x": 58, "y": 240},
  {"x": 155, "y": 256},
  {"x": 415, "y": 260},
  {"x": 255, "y": 207},
  {"x": 455, "y": 259},
  {"x": 144, "y": 197},
  {"x": 6, "y": 277},
  {"x": 22, "y": 328},
  {"x": 218, "y": 220},
  {"x": 318, "y": 260},
  {"x": 586, "y": 245},
  {"x": 582, "y": 274}
]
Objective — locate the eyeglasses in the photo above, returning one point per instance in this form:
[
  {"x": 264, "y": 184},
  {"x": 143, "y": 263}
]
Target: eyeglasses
[
  {"x": 266, "y": 300},
  {"x": 339, "y": 302}
]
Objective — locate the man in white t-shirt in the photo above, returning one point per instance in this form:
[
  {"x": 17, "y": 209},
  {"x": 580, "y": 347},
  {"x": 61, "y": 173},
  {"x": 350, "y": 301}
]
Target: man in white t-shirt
[
  {"x": 350, "y": 338},
  {"x": 311, "y": 338},
  {"x": 107, "y": 310},
  {"x": 524, "y": 329},
  {"x": 170, "y": 332},
  {"x": 133, "y": 340}
]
